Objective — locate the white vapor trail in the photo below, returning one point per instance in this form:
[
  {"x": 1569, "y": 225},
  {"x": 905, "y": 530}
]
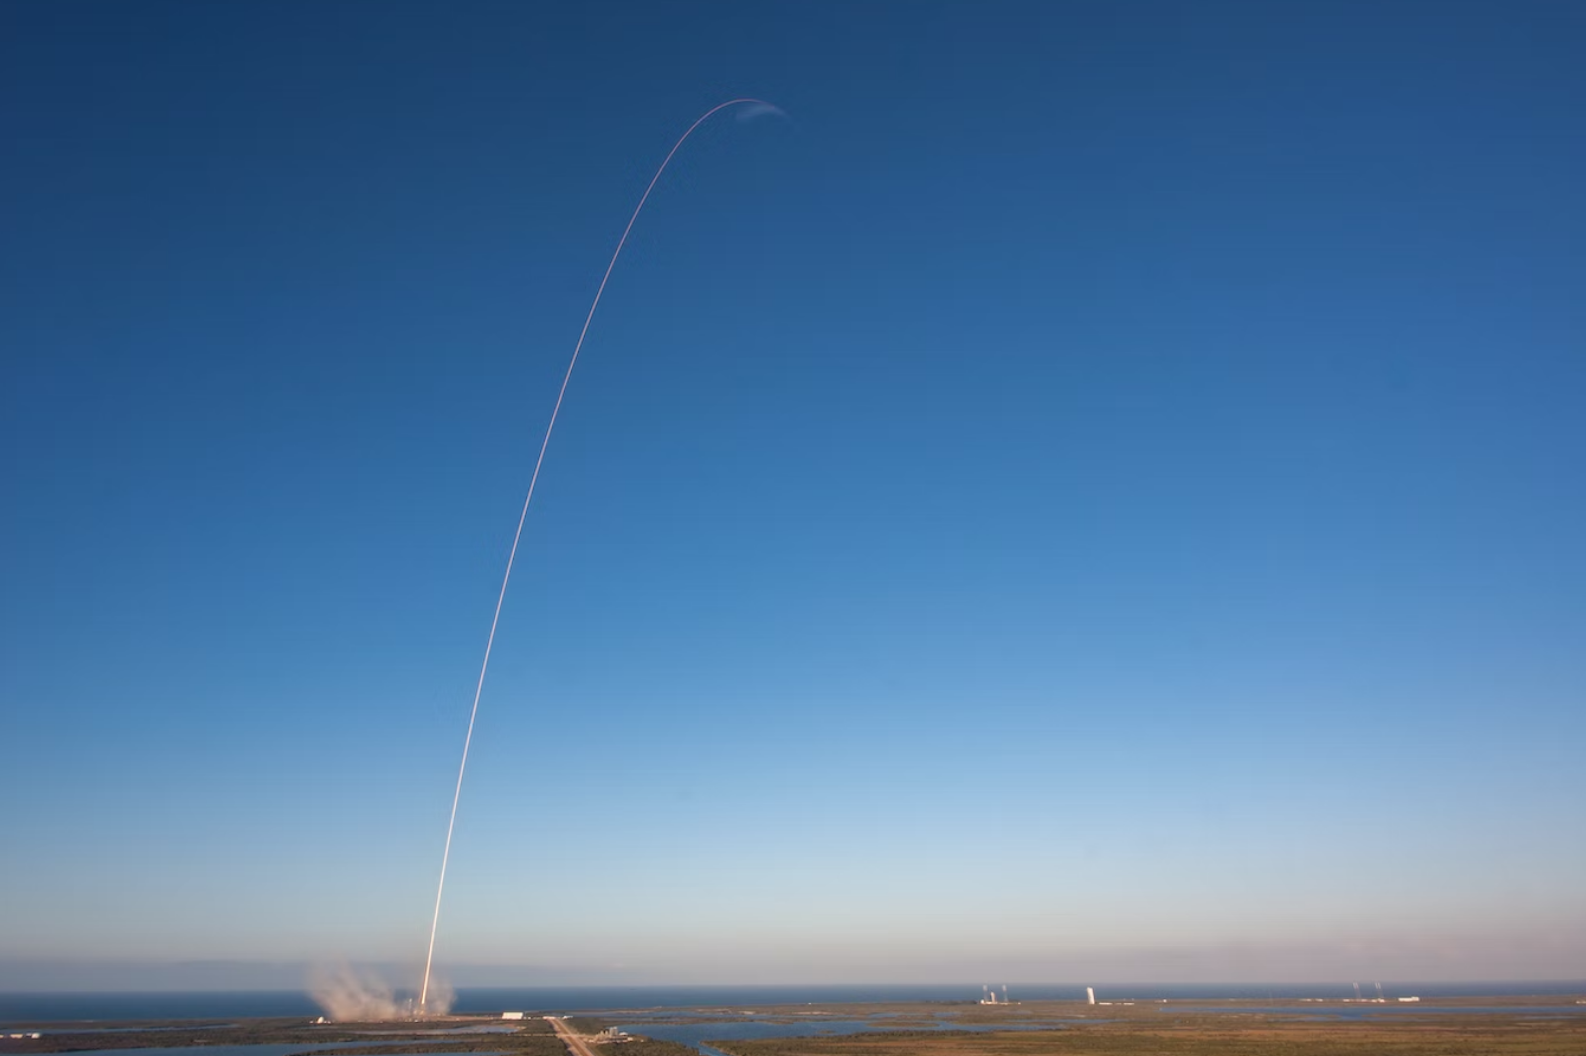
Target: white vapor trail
[{"x": 753, "y": 107}]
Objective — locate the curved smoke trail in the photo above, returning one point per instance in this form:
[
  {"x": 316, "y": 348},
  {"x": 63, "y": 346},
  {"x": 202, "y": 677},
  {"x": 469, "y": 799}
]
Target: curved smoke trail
[{"x": 756, "y": 106}]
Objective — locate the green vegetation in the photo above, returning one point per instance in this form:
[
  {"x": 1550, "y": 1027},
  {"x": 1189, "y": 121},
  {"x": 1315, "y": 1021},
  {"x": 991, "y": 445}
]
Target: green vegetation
[
  {"x": 528, "y": 1038},
  {"x": 649, "y": 1047},
  {"x": 1212, "y": 1035},
  {"x": 586, "y": 1024},
  {"x": 1059, "y": 1029}
]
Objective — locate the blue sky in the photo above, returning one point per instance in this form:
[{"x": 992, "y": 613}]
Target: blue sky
[{"x": 1099, "y": 484}]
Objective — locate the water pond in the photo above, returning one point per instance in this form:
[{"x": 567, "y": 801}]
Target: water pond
[
  {"x": 696, "y": 1035},
  {"x": 138, "y": 1030}
]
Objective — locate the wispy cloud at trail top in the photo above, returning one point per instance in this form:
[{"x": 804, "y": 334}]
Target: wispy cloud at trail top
[{"x": 751, "y": 111}]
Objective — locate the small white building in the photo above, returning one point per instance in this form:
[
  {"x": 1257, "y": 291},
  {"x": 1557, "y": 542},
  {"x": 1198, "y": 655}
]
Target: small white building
[{"x": 512, "y": 1015}]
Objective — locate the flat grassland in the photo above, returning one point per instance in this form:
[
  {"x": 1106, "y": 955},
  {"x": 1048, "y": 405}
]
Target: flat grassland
[
  {"x": 530, "y": 1037},
  {"x": 1241, "y": 1030},
  {"x": 1550, "y": 1026}
]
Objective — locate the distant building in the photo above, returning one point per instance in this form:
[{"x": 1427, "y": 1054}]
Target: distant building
[
  {"x": 1090, "y": 995},
  {"x": 1407, "y": 1000},
  {"x": 512, "y": 1015}
]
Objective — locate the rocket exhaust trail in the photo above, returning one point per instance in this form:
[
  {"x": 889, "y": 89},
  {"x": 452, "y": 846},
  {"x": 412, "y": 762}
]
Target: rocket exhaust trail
[{"x": 534, "y": 479}]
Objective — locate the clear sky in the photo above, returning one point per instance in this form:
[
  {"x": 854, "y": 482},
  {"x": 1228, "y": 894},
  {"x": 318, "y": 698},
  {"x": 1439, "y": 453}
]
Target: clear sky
[{"x": 1099, "y": 485}]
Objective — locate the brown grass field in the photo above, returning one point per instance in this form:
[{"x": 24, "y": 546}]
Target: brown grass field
[
  {"x": 1550, "y": 1026},
  {"x": 1240, "y": 1031}
]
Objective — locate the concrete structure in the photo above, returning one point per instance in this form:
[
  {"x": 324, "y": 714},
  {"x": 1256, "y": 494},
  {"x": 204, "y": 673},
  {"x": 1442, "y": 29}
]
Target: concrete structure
[
  {"x": 512, "y": 1015},
  {"x": 1090, "y": 995}
]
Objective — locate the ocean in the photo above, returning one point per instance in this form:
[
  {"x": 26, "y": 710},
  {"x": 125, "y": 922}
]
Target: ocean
[{"x": 58, "y": 1007}]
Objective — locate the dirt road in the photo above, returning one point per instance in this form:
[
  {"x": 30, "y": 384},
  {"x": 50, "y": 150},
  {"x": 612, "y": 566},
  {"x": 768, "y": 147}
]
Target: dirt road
[{"x": 576, "y": 1045}]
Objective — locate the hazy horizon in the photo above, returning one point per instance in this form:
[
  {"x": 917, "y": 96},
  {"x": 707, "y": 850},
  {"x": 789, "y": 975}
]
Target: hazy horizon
[
  {"x": 1496, "y": 959},
  {"x": 235, "y": 977}
]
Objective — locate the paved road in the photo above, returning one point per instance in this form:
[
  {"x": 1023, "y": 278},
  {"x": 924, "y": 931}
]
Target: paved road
[{"x": 575, "y": 1042}]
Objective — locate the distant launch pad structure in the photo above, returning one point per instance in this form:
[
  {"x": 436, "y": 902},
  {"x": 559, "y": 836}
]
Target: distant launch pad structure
[{"x": 988, "y": 996}]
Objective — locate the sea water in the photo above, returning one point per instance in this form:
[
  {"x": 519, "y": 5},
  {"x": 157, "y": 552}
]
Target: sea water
[{"x": 57, "y": 1007}]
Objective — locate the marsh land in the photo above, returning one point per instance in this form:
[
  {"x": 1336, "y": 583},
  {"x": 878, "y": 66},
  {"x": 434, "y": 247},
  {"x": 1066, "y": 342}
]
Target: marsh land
[{"x": 1474, "y": 1026}]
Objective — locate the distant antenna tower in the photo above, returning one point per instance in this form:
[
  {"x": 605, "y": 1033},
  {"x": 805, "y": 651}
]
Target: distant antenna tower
[
  {"x": 1004, "y": 993},
  {"x": 1379, "y": 993},
  {"x": 1357, "y": 990}
]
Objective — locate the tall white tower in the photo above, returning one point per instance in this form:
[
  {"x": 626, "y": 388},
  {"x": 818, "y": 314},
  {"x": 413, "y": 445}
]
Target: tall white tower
[{"x": 1090, "y": 995}]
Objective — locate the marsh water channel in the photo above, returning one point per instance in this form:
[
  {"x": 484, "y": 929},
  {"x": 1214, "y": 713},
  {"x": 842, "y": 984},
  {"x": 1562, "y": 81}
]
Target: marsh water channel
[{"x": 697, "y": 1035}]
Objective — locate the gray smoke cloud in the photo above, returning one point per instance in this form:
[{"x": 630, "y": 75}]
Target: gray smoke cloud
[{"x": 348, "y": 996}]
